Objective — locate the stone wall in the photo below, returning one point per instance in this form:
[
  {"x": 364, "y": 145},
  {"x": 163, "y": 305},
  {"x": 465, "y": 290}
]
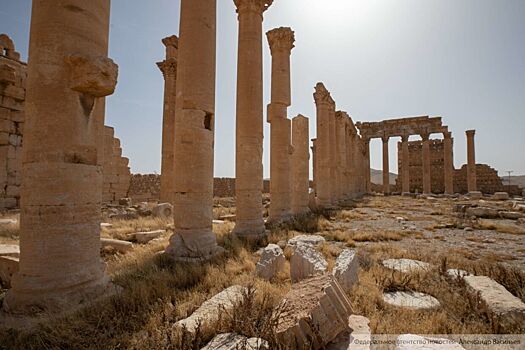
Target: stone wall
[
  {"x": 12, "y": 95},
  {"x": 487, "y": 179},
  {"x": 117, "y": 174}
]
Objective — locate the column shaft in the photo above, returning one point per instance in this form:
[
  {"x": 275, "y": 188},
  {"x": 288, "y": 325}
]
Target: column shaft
[
  {"x": 386, "y": 168},
  {"x": 405, "y": 163},
  {"x": 449, "y": 164},
  {"x": 426, "y": 164},
  {"x": 340, "y": 166},
  {"x": 471, "y": 162},
  {"x": 300, "y": 165}
]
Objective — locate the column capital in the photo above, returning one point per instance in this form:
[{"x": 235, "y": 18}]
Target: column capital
[
  {"x": 257, "y": 6},
  {"x": 281, "y": 39},
  {"x": 447, "y": 135},
  {"x": 385, "y": 139},
  {"x": 322, "y": 96},
  {"x": 168, "y": 67},
  {"x": 470, "y": 133},
  {"x": 425, "y": 137},
  {"x": 171, "y": 41},
  {"x": 341, "y": 115}
]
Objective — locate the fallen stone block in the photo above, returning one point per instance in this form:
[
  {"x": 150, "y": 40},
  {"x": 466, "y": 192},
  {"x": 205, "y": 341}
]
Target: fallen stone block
[
  {"x": 511, "y": 215},
  {"x": 457, "y": 273},
  {"x": 228, "y": 217},
  {"x": 482, "y": 212},
  {"x": 475, "y": 195},
  {"x": 406, "y": 265},
  {"x": 360, "y": 336},
  {"x": 346, "y": 268},
  {"x": 312, "y": 240},
  {"x": 272, "y": 261},
  {"x": 127, "y": 202},
  {"x": 417, "y": 342},
  {"x": 498, "y": 299},
  {"x": 163, "y": 211},
  {"x": 500, "y": 196},
  {"x": 8, "y": 221},
  {"x": 411, "y": 300},
  {"x": 118, "y": 245},
  {"x": 9, "y": 250},
  {"x": 105, "y": 225},
  {"x": 8, "y": 267},
  {"x": 145, "y": 237},
  {"x": 209, "y": 311},
  {"x": 233, "y": 341},
  {"x": 306, "y": 262},
  {"x": 313, "y": 313}
]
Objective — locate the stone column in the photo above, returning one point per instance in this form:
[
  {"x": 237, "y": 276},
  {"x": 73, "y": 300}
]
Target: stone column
[
  {"x": 405, "y": 163},
  {"x": 249, "y": 122},
  {"x": 366, "y": 164},
  {"x": 314, "y": 165},
  {"x": 300, "y": 165},
  {"x": 427, "y": 187},
  {"x": 449, "y": 162},
  {"x": 193, "y": 239},
  {"x": 281, "y": 42},
  {"x": 386, "y": 167},
  {"x": 350, "y": 158},
  {"x": 471, "y": 162},
  {"x": 68, "y": 75},
  {"x": 323, "y": 174},
  {"x": 168, "y": 68},
  {"x": 340, "y": 139},
  {"x": 334, "y": 174}
]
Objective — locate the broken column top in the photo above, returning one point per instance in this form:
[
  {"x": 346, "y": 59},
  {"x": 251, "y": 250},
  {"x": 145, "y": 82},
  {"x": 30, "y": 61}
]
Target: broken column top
[
  {"x": 470, "y": 132},
  {"x": 281, "y": 39},
  {"x": 172, "y": 46},
  {"x": 322, "y": 95},
  {"x": 258, "y": 6},
  {"x": 7, "y": 48}
]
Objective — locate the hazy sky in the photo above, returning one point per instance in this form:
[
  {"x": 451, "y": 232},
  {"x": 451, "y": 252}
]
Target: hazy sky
[{"x": 463, "y": 60}]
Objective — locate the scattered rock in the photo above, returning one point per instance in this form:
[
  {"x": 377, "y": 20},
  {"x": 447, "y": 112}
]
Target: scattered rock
[
  {"x": 272, "y": 261},
  {"x": 228, "y": 217},
  {"x": 9, "y": 250},
  {"x": 400, "y": 219},
  {"x": 511, "y": 215},
  {"x": 411, "y": 300},
  {"x": 105, "y": 225},
  {"x": 468, "y": 229},
  {"x": 475, "y": 195},
  {"x": 125, "y": 202},
  {"x": 345, "y": 269},
  {"x": 118, "y": 245},
  {"x": 405, "y": 265},
  {"x": 218, "y": 222},
  {"x": 313, "y": 313},
  {"x": 457, "y": 273},
  {"x": 163, "y": 211},
  {"x": 500, "y": 196},
  {"x": 312, "y": 240},
  {"x": 8, "y": 267},
  {"x": 417, "y": 342},
  {"x": 124, "y": 216},
  {"x": 233, "y": 341},
  {"x": 498, "y": 299},
  {"x": 145, "y": 237},
  {"x": 482, "y": 212},
  {"x": 306, "y": 262},
  {"x": 360, "y": 336},
  {"x": 208, "y": 312}
]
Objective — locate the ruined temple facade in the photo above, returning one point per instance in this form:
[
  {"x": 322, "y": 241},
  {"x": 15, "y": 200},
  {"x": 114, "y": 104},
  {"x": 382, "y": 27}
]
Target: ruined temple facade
[{"x": 13, "y": 76}]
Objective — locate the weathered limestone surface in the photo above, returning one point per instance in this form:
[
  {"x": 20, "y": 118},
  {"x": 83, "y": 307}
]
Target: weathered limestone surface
[
  {"x": 9, "y": 250},
  {"x": 193, "y": 238},
  {"x": 272, "y": 261},
  {"x": 281, "y": 42},
  {"x": 208, "y": 312},
  {"x": 249, "y": 120},
  {"x": 411, "y": 300},
  {"x": 118, "y": 245},
  {"x": 405, "y": 265},
  {"x": 497, "y": 298},
  {"x": 417, "y": 342},
  {"x": 340, "y": 149},
  {"x": 8, "y": 267},
  {"x": 300, "y": 165},
  {"x": 168, "y": 67},
  {"x": 501, "y": 196},
  {"x": 313, "y": 240},
  {"x": 233, "y": 341},
  {"x": 145, "y": 237},
  {"x": 62, "y": 178},
  {"x": 306, "y": 262},
  {"x": 359, "y": 338},
  {"x": 346, "y": 268},
  {"x": 315, "y": 309},
  {"x": 162, "y": 210},
  {"x": 115, "y": 169}
]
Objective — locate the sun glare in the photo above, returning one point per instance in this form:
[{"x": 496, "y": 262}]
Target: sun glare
[{"x": 340, "y": 10}]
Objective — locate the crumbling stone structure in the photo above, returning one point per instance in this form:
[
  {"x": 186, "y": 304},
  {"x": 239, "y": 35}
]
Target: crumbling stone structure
[
  {"x": 281, "y": 42},
  {"x": 115, "y": 169},
  {"x": 193, "y": 239},
  {"x": 249, "y": 120},
  {"x": 61, "y": 192},
  {"x": 13, "y": 74},
  {"x": 168, "y": 67}
]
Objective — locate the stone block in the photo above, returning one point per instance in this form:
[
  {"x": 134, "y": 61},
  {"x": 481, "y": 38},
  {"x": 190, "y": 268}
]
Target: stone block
[
  {"x": 346, "y": 269},
  {"x": 312, "y": 240},
  {"x": 208, "y": 313},
  {"x": 7, "y": 126},
  {"x": 145, "y": 237},
  {"x": 4, "y": 138},
  {"x": 501, "y": 196},
  {"x": 360, "y": 336},
  {"x": 313, "y": 313},
  {"x": 498, "y": 299},
  {"x": 411, "y": 300},
  {"x": 13, "y": 191},
  {"x": 406, "y": 265},
  {"x": 272, "y": 261},
  {"x": 15, "y": 92},
  {"x": 8, "y": 267},
  {"x": 233, "y": 341},
  {"x": 118, "y": 245},
  {"x": 11, "y": 250},
  {"x": 475, "y": 195},
  {"x": 8, "y": 203},
  {"x": 306, "y": 262},
  {"x": 163, "y": 210}
]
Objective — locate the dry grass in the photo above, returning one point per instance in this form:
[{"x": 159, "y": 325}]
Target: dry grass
[
  {"x": 502, "y": 226},
  {"x": 120, "y": 229}
]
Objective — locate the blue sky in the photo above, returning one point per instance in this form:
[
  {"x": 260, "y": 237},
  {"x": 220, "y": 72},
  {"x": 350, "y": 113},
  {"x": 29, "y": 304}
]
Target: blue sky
[{"x": 463, "y": 60}]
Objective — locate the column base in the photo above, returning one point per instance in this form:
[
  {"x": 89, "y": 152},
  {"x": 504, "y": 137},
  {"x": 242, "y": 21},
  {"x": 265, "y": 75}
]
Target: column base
[
  {"x": 193, "y": 246},
  {"x": 252, "y": 230}
]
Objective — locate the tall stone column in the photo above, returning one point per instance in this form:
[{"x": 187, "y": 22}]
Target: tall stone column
[
  {"x": 314, "y": 165},
  {"x": 366, "y": 164},
  {"x": 334, "y": 174},
  {"x": 193, "y": 239},
  {"x": 405, "y": 163},
  {"x": 426, "y": 164},
  {"x": 68, "y": 76},
  {"x": 386, "y": 167},
  {"x": 249, "y": 122},
  {"x": 449, "y": 162},
  {"x": 168, "y": 68},
  {"x": 471, "y": 162},
  {"x": 281, "y": 42},
  {"x": 323, "y": 174},
  {"x": 300, "y": 165},
  {"x": 340, "y": 166},
  {"x": 350, "y": 159}
]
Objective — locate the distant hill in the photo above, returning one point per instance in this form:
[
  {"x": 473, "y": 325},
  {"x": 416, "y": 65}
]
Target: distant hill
[
  {"x": 514, "y": 180},
  {"x": 377, "y": 177}
]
